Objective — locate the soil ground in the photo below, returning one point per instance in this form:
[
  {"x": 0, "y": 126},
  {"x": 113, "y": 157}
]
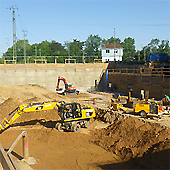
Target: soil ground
[{"x": 131, "y": 142}]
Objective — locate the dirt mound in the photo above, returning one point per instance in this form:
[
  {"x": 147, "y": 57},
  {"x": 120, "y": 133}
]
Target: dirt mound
[
  {"x": 131, "y": 138},
  {"x": 8, "y": 106},
  {"x": 28, "y": 93}
]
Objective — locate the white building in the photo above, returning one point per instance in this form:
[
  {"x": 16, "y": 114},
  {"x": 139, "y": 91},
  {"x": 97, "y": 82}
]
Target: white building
[{"x": 112, "y": 52}]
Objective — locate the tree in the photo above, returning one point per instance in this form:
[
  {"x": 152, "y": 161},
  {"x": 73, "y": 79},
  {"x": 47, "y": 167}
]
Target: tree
[
  {"x": 93, "y": 45},
  {"x": 111, "y": 40},
  {"x": 19, "y": 51},
  {"x": 156, "y": 46},
  {"x": 128, "y": 48},
  {"x": 9, "y": 52},
  {"x": 153, "y": 46},
  {"x": 45, "y": 48},
  {"x": 56, "y": 49},
  {"x": 164, "y": 47},
  {"x": 20, "y": 47},
  {"x": 144, "y": 52},
  {"x": 34, "y": 51},
  {"x": 75, "y": 48}
]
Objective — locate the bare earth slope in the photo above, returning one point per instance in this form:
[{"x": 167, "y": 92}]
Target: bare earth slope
[{"x": 125, "y": 144}]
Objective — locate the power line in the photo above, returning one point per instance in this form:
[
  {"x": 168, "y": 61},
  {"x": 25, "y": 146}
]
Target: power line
[
  {"x": 24, "y": 34},
  {"x": 14, "y": 32}
]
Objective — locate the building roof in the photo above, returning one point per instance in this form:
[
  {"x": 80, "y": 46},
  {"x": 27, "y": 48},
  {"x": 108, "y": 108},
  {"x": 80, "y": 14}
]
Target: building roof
[{"x": 112, "y": 46}]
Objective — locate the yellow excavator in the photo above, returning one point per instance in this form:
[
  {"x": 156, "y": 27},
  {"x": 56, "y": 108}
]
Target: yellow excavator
[{"x": 72, "y": 115}]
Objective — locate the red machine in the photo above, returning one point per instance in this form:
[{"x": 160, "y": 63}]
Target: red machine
[{"x": 68, "y": 89}]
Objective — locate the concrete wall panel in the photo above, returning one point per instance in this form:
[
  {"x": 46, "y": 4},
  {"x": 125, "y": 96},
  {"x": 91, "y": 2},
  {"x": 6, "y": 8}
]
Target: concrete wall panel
[{"x": 82, "y": 76}]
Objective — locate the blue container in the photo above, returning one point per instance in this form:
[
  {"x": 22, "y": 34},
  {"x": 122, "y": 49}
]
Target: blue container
[{"x": 157, "y": 57}]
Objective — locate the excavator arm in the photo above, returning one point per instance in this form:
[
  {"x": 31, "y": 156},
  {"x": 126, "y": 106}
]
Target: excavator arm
[
  {"x": 68, "y": 87},
  {"x": 63, "y": 79},
  {"x": 31, "y": 107}
]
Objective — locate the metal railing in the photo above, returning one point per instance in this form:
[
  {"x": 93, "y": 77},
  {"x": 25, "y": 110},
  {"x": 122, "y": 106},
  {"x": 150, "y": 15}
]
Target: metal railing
[
  {"x": 68, "y": 61},
  {"x": 11, "y": 61},
  {"x": 49, "y": 59},
  {"x": 37, "y": 60},
  {"x": 23, "y": 135}
]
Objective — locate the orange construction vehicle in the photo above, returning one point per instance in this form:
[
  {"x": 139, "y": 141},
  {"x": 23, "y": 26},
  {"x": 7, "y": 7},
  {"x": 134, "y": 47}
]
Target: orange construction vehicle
[{"x": 68, "y": 87}]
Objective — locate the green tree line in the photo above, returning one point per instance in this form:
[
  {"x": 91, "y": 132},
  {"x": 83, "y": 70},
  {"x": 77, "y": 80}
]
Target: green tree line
[{"x": 89, "y": 48}]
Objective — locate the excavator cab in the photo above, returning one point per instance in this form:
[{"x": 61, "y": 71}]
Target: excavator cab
[
  {"x": 73, "y": 117},
  {"x": 70, "y": 111}
]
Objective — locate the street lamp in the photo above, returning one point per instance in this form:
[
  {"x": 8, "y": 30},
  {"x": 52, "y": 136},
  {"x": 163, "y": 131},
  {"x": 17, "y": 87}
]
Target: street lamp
[{"x": 83, "y": 47}]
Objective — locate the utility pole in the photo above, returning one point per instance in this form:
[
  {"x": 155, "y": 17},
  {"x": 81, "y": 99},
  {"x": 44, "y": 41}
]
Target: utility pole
[
  {"x": 14, "y": 32},
  {"x": 69, "y": 52},
  {"x": 36, "y": 51},
  {"x": 83, "y": 48},
  {"x": 144, "y": 56},
  {"x": 114, "y": 44},
  {"x": 24, "y": 44},
  {"x": 138, "y": 55},
  {"x": 40, "y": 55},
  {"x": 40, "y": 52}
]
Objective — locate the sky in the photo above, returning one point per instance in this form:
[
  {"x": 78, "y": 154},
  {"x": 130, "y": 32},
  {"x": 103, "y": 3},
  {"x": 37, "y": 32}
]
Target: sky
[{"x": 65, "y": 20}]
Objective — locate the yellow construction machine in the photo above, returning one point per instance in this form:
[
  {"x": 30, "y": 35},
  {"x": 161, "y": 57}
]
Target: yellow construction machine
[
  {"x": 72, "y": 115},
  {"x": 148, "y": 109},
  {"x": 116, "y": 104}
]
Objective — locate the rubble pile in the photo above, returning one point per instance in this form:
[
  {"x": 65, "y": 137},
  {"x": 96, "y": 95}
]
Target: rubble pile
[{"x": 110, "y": 116}]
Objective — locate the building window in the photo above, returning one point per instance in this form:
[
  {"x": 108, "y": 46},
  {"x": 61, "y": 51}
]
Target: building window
[
  {"x": 107, "y": 51},
  {"x": 115, "y": 51}
]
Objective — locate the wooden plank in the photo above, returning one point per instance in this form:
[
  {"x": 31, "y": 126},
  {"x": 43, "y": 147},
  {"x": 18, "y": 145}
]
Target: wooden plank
[{"x": 145, "y": 83}]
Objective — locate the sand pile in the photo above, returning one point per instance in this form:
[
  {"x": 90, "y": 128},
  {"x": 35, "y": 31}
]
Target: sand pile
[
  {"x": 28, "y": 93},
  {"x": 131, "y": 138},
  {"x": 8, "y": 106}
]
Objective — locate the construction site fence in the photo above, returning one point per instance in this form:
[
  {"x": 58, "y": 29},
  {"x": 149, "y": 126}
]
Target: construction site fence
[
  {"x": 154, "y": 80},
  {"x": 50, "y": 59},
  {"x": 164, "y": 72}
]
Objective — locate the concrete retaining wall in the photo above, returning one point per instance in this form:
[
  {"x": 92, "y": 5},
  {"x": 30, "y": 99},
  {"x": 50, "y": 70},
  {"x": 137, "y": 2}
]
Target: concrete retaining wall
[{"x": 82, "y": 76}]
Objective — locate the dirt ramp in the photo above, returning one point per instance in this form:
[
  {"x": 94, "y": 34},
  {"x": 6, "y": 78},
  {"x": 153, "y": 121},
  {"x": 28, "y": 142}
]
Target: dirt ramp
[{"x": 131, "y": 138}]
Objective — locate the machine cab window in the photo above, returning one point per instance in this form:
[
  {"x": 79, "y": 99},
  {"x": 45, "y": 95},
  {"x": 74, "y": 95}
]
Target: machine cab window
[
  {"x": 71, "y": 111},
  {"x": 76, "y": 110}
]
